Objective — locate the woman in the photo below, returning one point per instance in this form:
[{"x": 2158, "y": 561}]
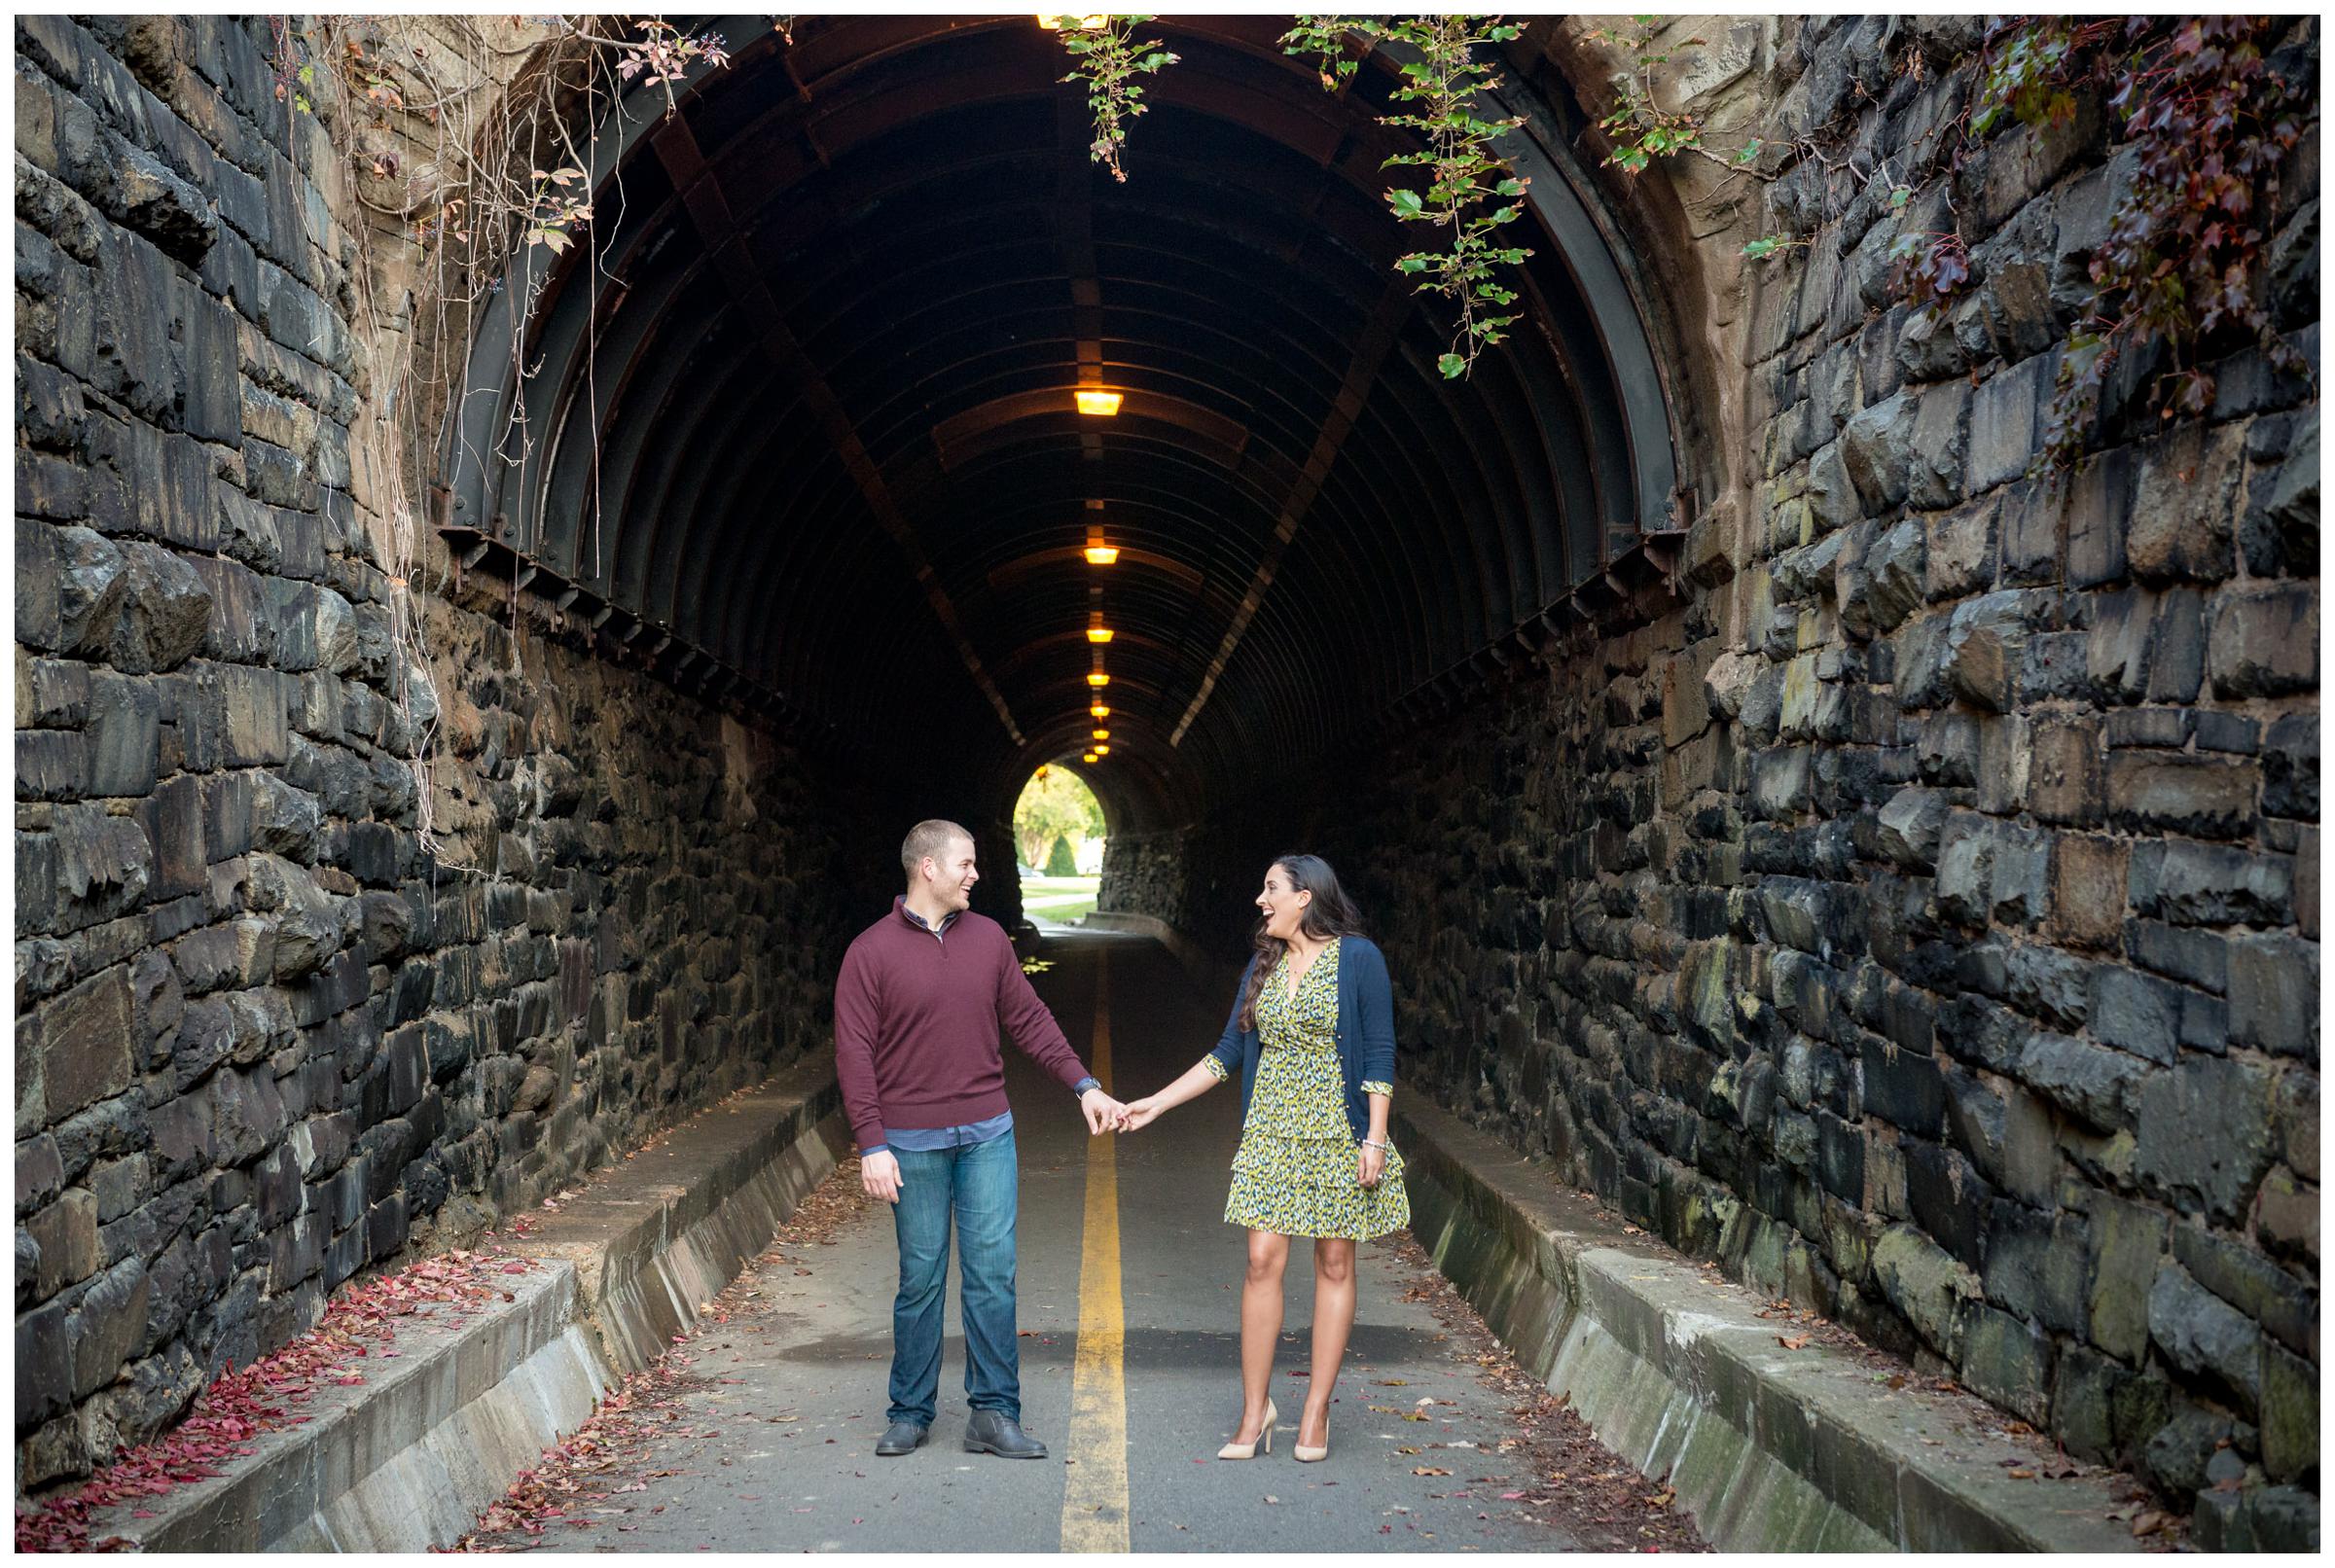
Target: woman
[{"x": 1312, "y": 1035}]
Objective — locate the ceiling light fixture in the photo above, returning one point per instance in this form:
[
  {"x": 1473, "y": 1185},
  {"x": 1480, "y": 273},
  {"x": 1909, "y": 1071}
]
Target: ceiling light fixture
[
  {"x": 1094, "y": 401},
  {"x": 1096, "y": 631}
]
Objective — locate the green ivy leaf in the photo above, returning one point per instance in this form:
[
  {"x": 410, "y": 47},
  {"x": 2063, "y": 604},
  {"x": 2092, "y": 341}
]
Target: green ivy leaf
[{"x": 1453, "y": 367}]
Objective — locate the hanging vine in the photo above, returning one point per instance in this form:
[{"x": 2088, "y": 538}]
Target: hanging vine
[
  {"x": 2181, "y": 269},
  {"x": 1110, "y": 63},
  {"x": 1472, "y": 193},
  {"x": 460, "y": 143}
]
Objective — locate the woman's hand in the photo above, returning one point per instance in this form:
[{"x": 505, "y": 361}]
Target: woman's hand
[
  {"x": 1140, "y": 1113},
  {"x": 1370, "y": 1166}
]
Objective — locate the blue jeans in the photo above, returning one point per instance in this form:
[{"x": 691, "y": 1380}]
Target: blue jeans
[{"x": 978, "y": 1188}]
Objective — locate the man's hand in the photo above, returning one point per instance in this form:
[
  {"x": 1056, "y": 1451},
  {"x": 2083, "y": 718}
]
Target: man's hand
[
  {"x": 1140, "y": 1113},
  {"x": 879, "y": 1176},
  {"x": 1102, "y": 1111}
]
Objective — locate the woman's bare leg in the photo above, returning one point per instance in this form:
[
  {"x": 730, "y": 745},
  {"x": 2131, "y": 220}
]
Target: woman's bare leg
[
  {"x": 1333, "y": 1322},
  {"x": 1260, "y": 1328}
]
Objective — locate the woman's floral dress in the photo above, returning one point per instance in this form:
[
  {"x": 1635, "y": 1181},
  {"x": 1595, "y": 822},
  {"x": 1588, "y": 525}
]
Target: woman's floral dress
[{"x": 1293, "y": 1175}]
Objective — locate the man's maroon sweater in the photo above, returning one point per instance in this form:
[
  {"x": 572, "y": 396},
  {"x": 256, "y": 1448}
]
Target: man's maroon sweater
[{"x": 916, "y": 1025}]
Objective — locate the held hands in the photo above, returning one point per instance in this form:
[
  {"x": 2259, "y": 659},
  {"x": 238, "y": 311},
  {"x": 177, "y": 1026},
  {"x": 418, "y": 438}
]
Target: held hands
[
  {"x": 1107, "y": 1115},
  {"x": 1103, "y": 1114},
  {"x": 879, "y": 1176}
]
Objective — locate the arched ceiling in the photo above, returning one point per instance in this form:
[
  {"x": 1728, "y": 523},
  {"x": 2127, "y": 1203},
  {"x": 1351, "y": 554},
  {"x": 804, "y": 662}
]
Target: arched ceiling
[{"x": 805, "y": 431}]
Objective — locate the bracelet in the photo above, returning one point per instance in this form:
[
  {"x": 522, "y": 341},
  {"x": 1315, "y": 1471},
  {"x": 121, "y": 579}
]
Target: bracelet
[{"x": 1368, "y": 1144}]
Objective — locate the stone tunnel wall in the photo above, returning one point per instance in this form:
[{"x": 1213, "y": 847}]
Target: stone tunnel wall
[
  {"x": 265, "y": 1036},
  {"x": 1923, "y": 915}
]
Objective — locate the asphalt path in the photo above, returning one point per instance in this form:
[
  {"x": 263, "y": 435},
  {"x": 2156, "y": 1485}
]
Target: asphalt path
[{"x": 768, "y": 1443}]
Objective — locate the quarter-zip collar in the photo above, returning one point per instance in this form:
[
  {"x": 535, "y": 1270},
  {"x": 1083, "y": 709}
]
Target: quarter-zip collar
[{"x": 939, "y": 933}]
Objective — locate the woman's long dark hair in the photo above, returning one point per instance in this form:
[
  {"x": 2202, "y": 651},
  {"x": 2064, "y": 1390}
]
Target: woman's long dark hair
[{"x": 1331, "y": 914}]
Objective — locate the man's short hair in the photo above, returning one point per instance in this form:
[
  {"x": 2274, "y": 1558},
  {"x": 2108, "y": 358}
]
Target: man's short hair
[{"x": 931, "y": 837}]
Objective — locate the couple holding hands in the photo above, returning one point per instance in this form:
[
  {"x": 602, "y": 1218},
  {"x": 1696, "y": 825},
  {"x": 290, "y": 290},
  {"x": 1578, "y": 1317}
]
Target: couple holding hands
[{"x": 1311, "y": 1037}]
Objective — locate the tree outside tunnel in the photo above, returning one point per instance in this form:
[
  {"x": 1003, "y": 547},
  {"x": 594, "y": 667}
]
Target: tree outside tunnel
[{"x": 1059, "y": 833}]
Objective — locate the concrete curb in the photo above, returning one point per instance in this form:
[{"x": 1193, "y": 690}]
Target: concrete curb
[
  {"x": 1770, "y": 1449},
  {"x": 407, "y": 1461}
]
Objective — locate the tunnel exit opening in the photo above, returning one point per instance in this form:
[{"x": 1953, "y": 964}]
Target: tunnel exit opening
[{"x": 1059, "y": 833}]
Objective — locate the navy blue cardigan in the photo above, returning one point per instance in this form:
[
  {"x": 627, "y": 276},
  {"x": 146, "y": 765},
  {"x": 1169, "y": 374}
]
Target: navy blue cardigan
[{"x": 1365, "y": 1029}]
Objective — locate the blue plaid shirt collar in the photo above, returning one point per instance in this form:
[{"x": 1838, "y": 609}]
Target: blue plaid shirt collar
[{"x": 900, "y": 903}]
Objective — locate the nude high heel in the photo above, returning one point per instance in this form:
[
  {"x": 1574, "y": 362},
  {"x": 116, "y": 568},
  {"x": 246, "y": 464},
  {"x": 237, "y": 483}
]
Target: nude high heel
[
  {"x": 1306, "y": 1453},
  {"x": 1248, "y": 1451}
]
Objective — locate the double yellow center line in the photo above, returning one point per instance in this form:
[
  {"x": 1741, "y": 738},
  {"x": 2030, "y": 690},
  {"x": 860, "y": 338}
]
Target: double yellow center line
[{"x": 1094, "y": 1489}]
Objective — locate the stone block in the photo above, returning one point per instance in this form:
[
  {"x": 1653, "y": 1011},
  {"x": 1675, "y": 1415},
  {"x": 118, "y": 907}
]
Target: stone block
[
  {"x": 1925, "y": 1285},
  {"x": 84, "y": 573},
  {"x": 2274, "y": 994},
  {"x": 2088, "y": 883},
  {"x": 1986, "y": 646},
  {"x": 1962, "y": 551},
  {"x": 2184, "y": 505},
  {"x": 1911, "y": 824},
  {"x": 2205, "y": 1337},
  {"x": 247, "y": 1115},
  {"x": 2065, "y": 774},
  {"x": 2127, "y": 1246},
  {"x": 2290, "y": 768},
  {"x": 2118, "y": 656},
  {"x": 2093, "y": 1082},
  {"x": 1876, "y": 450},
  {"x": 315, "y": 627},
  {"x": 51, "y": 765},
  {"x": 125, "y": 735},
  {"x": 1884, "y": 584},
  {"x": 254, "y": 731},
  {"x": 44, "y": 1365},
  {"x": 2289, "y": 1416},
  {"x": 1936, "y": 449},
  {"x": 2006, "y": 423},
  {"x": 2191, "y": 883},
  {"x": 1948, "y": 1198},
  {"x": 83, "y": 1042},
  {"x": 2232, "y": 733},
  {"x": 105, "y": 1325},
  {"x": 1903, "y": 1088},
  {"x": 240, "y": 629},
  {"x": 2138, "y": 1012},
  {"x": 2265, "y": 641},
  {"x": 2204, "y": 1134},
  {"x": 2008, "y": 1363},
  {"x": 66, "y": 1234},
  {"x": 2177, "y": 653}
]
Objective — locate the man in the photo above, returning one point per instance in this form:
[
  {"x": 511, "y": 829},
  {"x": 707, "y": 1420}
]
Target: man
[{"x": 917, "y": 1007}]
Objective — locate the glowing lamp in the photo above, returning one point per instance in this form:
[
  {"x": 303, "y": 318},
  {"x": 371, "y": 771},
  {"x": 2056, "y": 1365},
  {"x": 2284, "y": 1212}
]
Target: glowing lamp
[
  {"x": 1088, "y": 758},
  {"x": 1084, "y": 24},
  {"x": 1097, "y": 679},
  {"x": 1101, "y": 750},
  {"x": 1103, "y": 734},
  {"x": 1099, "y": 554},
  {"x": 1096, "y": 631},
  {"x": 1101, "y": 710},
  {"x": 1104, "y": 405}
]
